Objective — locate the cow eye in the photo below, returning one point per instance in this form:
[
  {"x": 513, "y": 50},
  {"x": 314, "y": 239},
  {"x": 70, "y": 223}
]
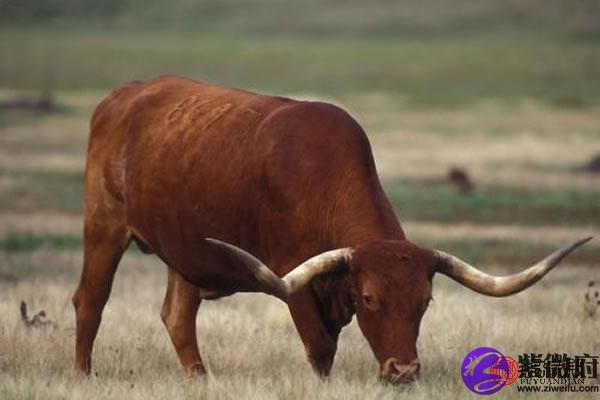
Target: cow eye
[{"x": 368, "y": 300}]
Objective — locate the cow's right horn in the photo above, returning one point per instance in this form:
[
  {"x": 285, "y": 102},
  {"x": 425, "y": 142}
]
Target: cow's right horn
[
  {"x": 297, "y": 278},
  {"x": 490, "y": 285}
]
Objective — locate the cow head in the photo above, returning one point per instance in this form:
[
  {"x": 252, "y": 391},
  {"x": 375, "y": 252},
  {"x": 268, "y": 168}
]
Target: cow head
[{"x": 391, "y": 288}]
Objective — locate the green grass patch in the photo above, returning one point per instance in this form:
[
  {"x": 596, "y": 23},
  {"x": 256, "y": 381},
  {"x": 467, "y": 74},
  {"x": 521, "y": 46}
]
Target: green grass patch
[
  {"x": 27, "y": 190},
  {"x": 47, "y": 262},
  {"x": 317, "y": 19},
  {"x": 36, "y": 190},
  {"x": 440, "y": 70},
  {"x": 480, "y": 252},
  {"x": 494, "y": 204},
  {"x": 26, "y": 242},
  {"x": 512, "y": 254}
]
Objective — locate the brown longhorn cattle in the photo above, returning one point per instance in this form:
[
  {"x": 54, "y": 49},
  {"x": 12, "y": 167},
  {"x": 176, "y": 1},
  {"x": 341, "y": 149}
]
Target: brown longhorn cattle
[{"x": 173, "y": 161}]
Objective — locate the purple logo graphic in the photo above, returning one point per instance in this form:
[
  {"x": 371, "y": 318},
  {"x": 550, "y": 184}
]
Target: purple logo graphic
[{"x": 484, "y": 370}]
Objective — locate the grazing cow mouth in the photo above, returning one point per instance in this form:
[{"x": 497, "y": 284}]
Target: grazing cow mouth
[{"x": 396, "y": 373}]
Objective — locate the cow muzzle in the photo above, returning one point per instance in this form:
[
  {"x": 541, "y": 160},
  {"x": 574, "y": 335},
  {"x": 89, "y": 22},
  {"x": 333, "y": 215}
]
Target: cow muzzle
[{"x": 394, "y": 372}]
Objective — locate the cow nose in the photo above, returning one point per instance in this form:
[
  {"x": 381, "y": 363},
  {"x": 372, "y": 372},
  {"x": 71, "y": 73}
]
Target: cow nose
[{"x": 393, "y": 371}]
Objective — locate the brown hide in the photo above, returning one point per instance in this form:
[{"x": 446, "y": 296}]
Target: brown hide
[
  {"x": 173, "y": 161},
  {"x": 283, "y": 179}
]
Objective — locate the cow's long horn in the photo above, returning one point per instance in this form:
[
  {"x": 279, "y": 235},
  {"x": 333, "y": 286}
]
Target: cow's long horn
[
  {"x": 297, "y": 278},
  {"x": 489, "y": 285}
]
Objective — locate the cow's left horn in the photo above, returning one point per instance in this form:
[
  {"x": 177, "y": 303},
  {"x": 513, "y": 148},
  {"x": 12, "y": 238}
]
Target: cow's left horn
[
  {"x": 489, "y": 285},
  {"x": 297, "y": 278}
]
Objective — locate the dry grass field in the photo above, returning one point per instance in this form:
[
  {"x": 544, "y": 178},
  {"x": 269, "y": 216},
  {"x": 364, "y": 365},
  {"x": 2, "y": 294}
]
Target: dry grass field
[{"x": 530, "y": 197}]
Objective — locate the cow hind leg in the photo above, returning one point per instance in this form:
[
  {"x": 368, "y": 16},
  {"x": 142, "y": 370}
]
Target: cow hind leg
[
  {"x": 105, "y": 241},
  {"x": 179, "y": 316}
]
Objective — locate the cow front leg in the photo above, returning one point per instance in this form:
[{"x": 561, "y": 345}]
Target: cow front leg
[
  {"x": 320, "y": 343},
  {"x": 179, "y": 316}
]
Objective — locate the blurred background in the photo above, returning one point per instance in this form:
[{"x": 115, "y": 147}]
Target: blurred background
[
  {"x": 483, "y": 113},
  {"x": 483, "y": 116},
  {"x": 430, "y": 52}
]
